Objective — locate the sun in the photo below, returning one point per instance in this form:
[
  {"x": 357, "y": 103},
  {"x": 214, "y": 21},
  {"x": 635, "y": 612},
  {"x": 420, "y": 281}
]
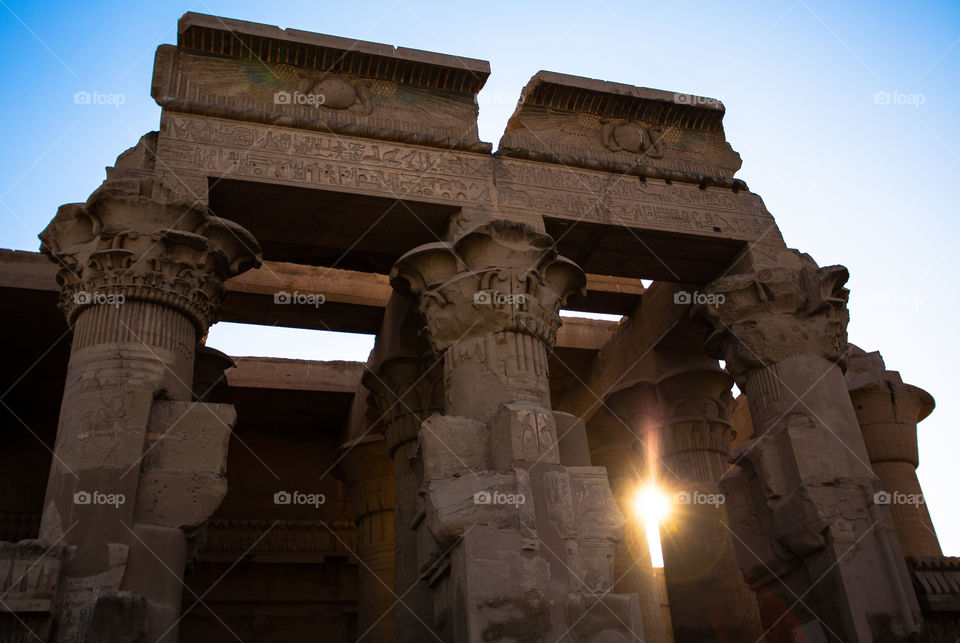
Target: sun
[
  {"x": 651, "y": 504},
  {"x": 652, "y": 507}
]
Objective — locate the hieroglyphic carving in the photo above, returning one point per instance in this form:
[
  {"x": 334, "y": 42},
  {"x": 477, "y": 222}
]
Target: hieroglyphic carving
[
  {"x": 191, "y": 144},
  {"x": 288, "y": 156},
  {"x": 600, "y": 197}
]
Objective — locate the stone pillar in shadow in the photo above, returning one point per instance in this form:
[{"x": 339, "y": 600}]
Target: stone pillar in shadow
[
  {"x": 888, "y": 412},
  {"x": 709, "y": 599},
  {"x": 406, "y": 385},
  {"x": 137, "y": 466},
  {"x": 616, "y": 434},
  {"x": 367, "y": 468},
  {"x": 822, "y": 556},
  {"x": 515, "y": 544}
]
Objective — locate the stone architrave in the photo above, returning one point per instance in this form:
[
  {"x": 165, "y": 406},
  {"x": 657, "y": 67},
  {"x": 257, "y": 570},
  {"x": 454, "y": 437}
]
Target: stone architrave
[
  {"x": 516, "y": 544},
  {"x": 138, "y": 467},
  {"x": 801, "y": 498}
]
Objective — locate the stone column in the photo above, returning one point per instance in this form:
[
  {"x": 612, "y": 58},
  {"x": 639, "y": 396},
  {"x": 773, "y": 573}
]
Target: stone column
[
  {"x": 406, "y": 385},
  {"x": 888, "y": 412},
  {"x": 516, "y": 545},
  {"x": 822, "y": 556},
  {"x": 367, "y": 468},
  {"x": 618, "y": 443},
  {"x": 137, "y": 466},
  {"x": 709, "y": 599}
]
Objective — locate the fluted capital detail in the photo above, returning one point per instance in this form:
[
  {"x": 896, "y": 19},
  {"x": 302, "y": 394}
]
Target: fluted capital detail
[
  {"x": 123, "y": 245},
  {"x": 406, "y": 390},
  {"x": 365, "y": 466},
  {"x": 762, "y": 318},
  {"x": 697, "y": 406},
  {"x": 500, "y": 277}
]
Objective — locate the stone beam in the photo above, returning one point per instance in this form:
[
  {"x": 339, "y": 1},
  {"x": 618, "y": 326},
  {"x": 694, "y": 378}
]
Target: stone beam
[
  {"x": 354, "y": 301},
  {"x": 295, "y": 375},
  {"x": 628, "y": 356}
]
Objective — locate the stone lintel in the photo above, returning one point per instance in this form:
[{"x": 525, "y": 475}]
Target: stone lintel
[
  {"x": 623, "y": 129},
  {"x": 295, "y": 374},
  {"x": 354, "y": 300},
  {"x": 261, "y": 73}
]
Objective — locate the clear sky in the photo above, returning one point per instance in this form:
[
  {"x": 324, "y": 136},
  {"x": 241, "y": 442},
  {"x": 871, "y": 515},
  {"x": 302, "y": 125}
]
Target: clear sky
[{"x": 852, "y": 176}]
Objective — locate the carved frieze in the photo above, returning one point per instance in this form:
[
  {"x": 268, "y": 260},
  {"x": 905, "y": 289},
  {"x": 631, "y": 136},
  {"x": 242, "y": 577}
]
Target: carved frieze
[
  {"x": 623, "y": 129},
  {"x": 232, "y": 69}
]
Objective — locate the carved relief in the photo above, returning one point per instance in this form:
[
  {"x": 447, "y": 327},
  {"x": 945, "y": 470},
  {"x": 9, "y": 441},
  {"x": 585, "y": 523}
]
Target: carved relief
[
  {"x": 630, "y": 136},
  {"x": 345, "y": 102}
]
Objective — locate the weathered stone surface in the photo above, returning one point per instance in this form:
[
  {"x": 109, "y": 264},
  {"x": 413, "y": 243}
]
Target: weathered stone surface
[
  {"x": 602, "y": 125},
  {"x": 183, "y": 471},
  {"x": 888, "y": 412},
  {"x": 484, "y": 497},
  {"x": 802, "y": 499},
  {"x": 320, "y": 82}
]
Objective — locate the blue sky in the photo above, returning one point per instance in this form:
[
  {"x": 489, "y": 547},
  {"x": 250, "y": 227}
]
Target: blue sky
[{"x": 850, "y": 178}]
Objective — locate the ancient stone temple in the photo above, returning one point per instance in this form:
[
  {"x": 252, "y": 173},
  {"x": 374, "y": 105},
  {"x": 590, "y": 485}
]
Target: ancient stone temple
[{"x": 475, "y": 480}]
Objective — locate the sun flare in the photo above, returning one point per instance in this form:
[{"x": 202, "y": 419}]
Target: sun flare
[
  {"x": 652, "y": 507},
  {"x": 652, "y": 504}
]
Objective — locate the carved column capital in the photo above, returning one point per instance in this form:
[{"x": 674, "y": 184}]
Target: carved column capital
[
  {"x": 500, "y": 277},
  {"x": 368, "y": 472},
  {"x": 697, "y": 406},
  {"x": 122, "y": 245},
  {"x": 762, "y": 318},
  {"x": 406, "y": 390}
]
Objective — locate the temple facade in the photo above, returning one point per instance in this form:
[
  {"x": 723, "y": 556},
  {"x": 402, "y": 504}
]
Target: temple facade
[{"x": 476, "y": 479}]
